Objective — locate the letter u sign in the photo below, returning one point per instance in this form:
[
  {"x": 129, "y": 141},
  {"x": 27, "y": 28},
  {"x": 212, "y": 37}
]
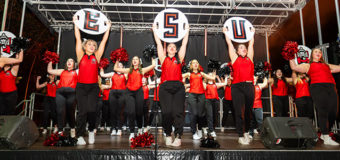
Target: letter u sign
[{"x": 239, "y": 29}]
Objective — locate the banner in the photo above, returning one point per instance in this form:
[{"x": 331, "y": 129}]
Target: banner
[
  {"x": 91, "y": 21},
  {"x": 239, "y": 29}
]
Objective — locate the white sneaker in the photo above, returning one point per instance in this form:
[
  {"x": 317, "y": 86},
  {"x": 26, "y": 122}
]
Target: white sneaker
[
  {"x": 44, "y": 131},
  {"x": 199, "y": 133},
  {"x": 205, "y": 131},
  {"x": 73, "y": 132},
  {"x": 255, "y": 131},
  {"x": 113, "y": 133},
  {"x": 168, "y": 140},
  {"x": 132, "y": 135},
  {"x": 95, "y": 131},
  {"x": 124, "y": 128},
  {"x": 213, "y": 134},
  {"x": 146, "y": 129},
  {"x": 91, "y": 137},
  {"x": 119, "y": 132},
  {"x": 243, "y": 141},
  {"x": 327, "y": 140},
  {"x": 55, "y": 130},
  {"x": 108, "y": 128},
  {"x": 196, "y": 136},
  {"x": 247, "y": 137},
  {"x": 102, "y": 129},
  {"x": 222, "y": 129},
  {"x": 81, "y": 141},
  {"x": 177, "y": 142},
  {"x": 140, "y": 131}
]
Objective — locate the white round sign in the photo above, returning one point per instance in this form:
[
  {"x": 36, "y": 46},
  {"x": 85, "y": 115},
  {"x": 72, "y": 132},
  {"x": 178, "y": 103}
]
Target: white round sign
[
  {"x": 303, "y": 55},
  {"x": 6, "y": 39},
  {"x": 239, "y": 29},
  {"x": 171, "y": 25},
  {"x": 91, "y": 21}
]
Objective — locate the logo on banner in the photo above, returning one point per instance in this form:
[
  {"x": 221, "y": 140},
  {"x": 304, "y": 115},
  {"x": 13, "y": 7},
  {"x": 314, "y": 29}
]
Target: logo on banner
[
  {"x": 91, "y": 21},
  {"x": 239, "y": 29},
  {"x": 171, "y": 25},
  {"x": 6, "y": 39},
  {"x": 303, "y": 55}
]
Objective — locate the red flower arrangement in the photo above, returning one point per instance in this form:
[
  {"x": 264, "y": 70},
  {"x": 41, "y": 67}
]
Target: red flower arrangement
[
  {"x": 289, "y": 50},
  {"x": 51, "y": 57},
  {"x": 52, "y": 140},
  {"x": 149, "y": 74},
  {"x": 104, "y": 62},
  {"x": 119, "y": 54},
  {"x": 142, "y": 140}
]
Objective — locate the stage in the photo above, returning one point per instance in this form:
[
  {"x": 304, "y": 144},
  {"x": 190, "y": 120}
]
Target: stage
[{"x": 109, "y": 147}]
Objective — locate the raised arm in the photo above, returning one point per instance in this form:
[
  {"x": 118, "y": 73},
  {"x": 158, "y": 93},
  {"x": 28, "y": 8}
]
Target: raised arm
[
  {"x": 79, "y": 47},
  {"x": 56, "y": 72},
  {"x": 160, "y": 49},
  {"x": 208, "y": 76},
  {"x": 183, "y": 49},
  {"x": 251, "y": 46},
  {"x": 15, "y": 68},
  {"x": 294, "y": 77},
  {"x": 18, "y": 59},
  {"x": 39, "y": 86},
  {"x": 149, "y": 68},
  {"x": 120, "y": 70},
  {"x": 101, "y": 48},
  {"x": 105, "y": 75},
  {"x": 186, "y": 75},
  {"x": 302, "y": 68},
  {"x": 334, "y": 68},
  {"x": 264, "y": 84},
  {"x": 231, "y": 48}
]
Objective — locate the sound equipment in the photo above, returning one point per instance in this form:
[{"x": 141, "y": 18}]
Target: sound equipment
[
  {"x": 288, "y": 133},
  {"x": 17, "y": 132}
]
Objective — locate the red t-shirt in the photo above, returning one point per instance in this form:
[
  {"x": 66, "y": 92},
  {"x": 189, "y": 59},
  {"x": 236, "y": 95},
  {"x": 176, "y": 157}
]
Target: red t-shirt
[
  {"x": 146, "y": 92},
  {"x": 320, "y": 73},
  {"x": 106, "y": 94},
  {"x": 88, "y": 69},
  {"x": 134, "y": 80},
  {"x": 211, "y": 92},
  {"x": 281, "y": 89},
  {"x": 243, "y": 69},
  {"x": 7, "y": 82},
  {"x": 118, "y": 82},
  {"x": 302, "y": 89},
  {"x": 171, "y": 70},
  {"x": 227, "y": 93},
  {"x": 51, "y": 89},
  {"x": 68, "y": 79},
  {"x": 257, "y": 99},
  {"x": 196, "y": 83}
]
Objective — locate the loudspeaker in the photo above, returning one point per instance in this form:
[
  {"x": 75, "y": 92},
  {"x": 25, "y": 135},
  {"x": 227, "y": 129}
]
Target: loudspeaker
[
  {"x": 17, "y": 132},
  {"x": 288, "y": 133}
]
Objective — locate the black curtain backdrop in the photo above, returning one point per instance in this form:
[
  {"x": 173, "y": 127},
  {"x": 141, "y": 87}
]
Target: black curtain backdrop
[{"x": 134, "y": 43}]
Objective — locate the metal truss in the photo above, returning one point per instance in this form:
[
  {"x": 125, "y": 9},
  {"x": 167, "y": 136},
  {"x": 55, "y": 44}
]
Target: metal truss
[{"x": 265, "y": 15}]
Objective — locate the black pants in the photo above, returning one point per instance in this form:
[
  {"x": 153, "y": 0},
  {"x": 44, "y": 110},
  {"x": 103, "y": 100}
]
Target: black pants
[
  {"x": 105, "y": 114},
  {"x": 87, "y": 98},
  {"x": 116, "y": 102},
  {"x": 154, "y": 111},
  {"x": 305, "y": 107},
  {"x": 227, "y": 107},
  {"x": 134, "y": 108},
  {"x": 243, "y": 100},
  {"x": 146, "y": 117},
  {"x": 8, "y": 102},
  {"x": 281, "y": 106},
  {"x": 50, "y": 111},
  {"x": 325, "y": 98},
  {"x": 172, "y": 97},
  {"x": 197, "y": 110},
  {"x": 65, "y": 100},
  {"x": 211, "y": 106},
  {"x": 99, "y": 112}
]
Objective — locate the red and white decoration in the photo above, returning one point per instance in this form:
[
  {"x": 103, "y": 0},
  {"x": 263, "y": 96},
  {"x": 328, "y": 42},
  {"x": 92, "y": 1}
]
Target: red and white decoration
[{"x": 6, "y": 39}]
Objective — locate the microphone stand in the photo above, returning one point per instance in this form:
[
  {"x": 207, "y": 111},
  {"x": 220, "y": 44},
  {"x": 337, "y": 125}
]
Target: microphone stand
[{"x": 155, "y": 111}]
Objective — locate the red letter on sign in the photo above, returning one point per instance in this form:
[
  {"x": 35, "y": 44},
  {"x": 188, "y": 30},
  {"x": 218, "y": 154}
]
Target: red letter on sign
[
  {"x": 89, "y": 18},
  {"x": 173, "y": 26},
  {"x": 242, "y": 35}
]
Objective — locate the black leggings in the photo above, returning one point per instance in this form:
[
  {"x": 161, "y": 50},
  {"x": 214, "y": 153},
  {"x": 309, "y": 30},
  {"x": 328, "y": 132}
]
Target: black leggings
[
  {"x": 116, "y": 102},
  {"x": 325, "y": 98},
  {"x": 87, "y": 98},
  {"x": 8, "y": 102},
  {"x": 49, "y": 111},
  {"x": 227, "y": 107},
  {"x": 281, "y": 105},
  {"x": 305, "y": 107},
  {"x": 134, "y": 108},
  {"x": 171, "y": 98},
  {"x": 211, "y": 106},
  {"x": 243, "y": 100},
  {"x": 197, "y": 110},
  {"x": 99, "y": 112},
  {"x": 146, "y": 119},
  {"x": 65, "y": 100},
  {"x": 105, "y": 114}
]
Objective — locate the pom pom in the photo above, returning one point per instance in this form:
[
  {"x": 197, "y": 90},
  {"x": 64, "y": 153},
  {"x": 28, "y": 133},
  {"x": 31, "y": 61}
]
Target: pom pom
[
  {"x": 213, "y": 65},
  {"x": 104, "y": 62},
  {"x": 289, "y": 50},
  {"x": 267, "y": 67},
  {"x": 149, "y": 74},
  {"x": 119, "y": 54},
  {"x": 225, "y": 69},
  {"x": 51, "y": 57},
  {"x": 201, "y": 69},
  {"x": 60, "y": 140},
  {"x": 150, "y": 51},
  {"x": 209, "y": 142},
  {"x": 142, "y": 140},
  {"x": 20, "y": 43},
  {"x": 262, "y": 70}
]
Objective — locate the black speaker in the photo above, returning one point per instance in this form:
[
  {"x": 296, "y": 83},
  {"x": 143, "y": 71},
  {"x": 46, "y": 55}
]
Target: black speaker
[
  {"x": 288, "y": 133},
  {"x": 17, "y": 132}
]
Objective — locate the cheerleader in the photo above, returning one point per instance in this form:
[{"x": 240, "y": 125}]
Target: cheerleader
[
  {"x": 303, "y": 100},
  {"x": 49, "y": 101},
  {"x": 242, "y": 88},
  {"x": 171, "y": 91},
  {"x": 146, "y": 104},
  {"x": 280, "y": 99},
  {"x": 212, "y": 102},
  {"x": 196, "y": 97},
  {"x": 88, "y": 57},
  {"x": 227, "y": 103},
  {"x": 101, "y": 112},
  {"x": 106, "y": 107},
  {"x": 134, "y": 95},
  {"x": 65, "y": 95},
  {"x": 9, "y": 68},
  {"x": 322, "y": 90}
]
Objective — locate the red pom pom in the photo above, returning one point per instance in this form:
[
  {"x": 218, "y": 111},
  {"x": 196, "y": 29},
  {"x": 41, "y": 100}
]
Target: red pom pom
[
  {"x": 104, "y": 62},
  {"x": 201, "y": 69},
  {"x": 267, "y": 67},
  {"x": 289, "y": 50},
  {"x": 149, "y": 74},
  {"x": 51, "y": 57},
  {"x": 52, "y": 140},
  {"x": 142, "y": 140},
  {"x": 119, "y": 54}
]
